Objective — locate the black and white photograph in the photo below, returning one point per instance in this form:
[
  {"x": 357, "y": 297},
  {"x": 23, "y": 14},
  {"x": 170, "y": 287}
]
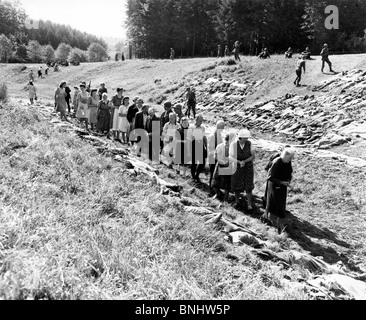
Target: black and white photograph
[{"x": 201, "y": 152}]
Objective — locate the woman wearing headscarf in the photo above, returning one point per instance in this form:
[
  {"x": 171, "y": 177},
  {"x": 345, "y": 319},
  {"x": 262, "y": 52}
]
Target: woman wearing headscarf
[
  {"x": 116, "y": 103},
  {"x": 93, "y": 102},
  {"x": 242, "y": 154},
  {"x": 279, "y": 179},
  {"x": 223, "y": 170},
  {"x": 104, "y": 115},
  {"x": 60, "y": 101},
  {"x": 82, "y": 102},
  {"x": 32, "y": 92}
]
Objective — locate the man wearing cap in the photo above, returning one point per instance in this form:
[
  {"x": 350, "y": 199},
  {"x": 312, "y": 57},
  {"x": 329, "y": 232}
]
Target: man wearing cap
[
  {"x": 197, "y": 142},
  {"x": 102, "y": 90},
  {"x": 214, "y": 140},
  {"x": 242, "y": 154}
]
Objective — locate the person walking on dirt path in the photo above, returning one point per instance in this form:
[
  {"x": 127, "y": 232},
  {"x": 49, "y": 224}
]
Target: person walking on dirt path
[
  {"x": 300, "y": 64},
  {"x": 223, "y": 170},
  {"x": 242, "y": 154},
  {"x": 60, "y": 101},
  {"x": 68, "y": 98},
  {"x": 325, "y": 58},
  {"x": 279, "y": 179},
  {"x": 32, "y": 91},
  {"x": 237, "y": 51},
  {"x": 82, "y": 101},
  {"x": 116, "y": 102},
  {"x": 40, "y": 72},
  {"x": 104, "y": 115},
  {"x": 93, "y": 103},
  {"x": 191, "y": 103},
  {"x": 197, "y": 148},
  {"x": 213, "y": 141}
]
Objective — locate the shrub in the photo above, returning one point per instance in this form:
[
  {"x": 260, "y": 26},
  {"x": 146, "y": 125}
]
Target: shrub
[{"x": 3, "y": 92}]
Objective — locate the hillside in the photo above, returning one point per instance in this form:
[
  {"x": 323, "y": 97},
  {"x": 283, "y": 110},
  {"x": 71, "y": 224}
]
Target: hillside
[{"x": 126, "y": 237}]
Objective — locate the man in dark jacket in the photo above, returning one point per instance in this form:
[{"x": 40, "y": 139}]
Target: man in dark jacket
[
  {"x": 140, "y": 126},
  {"x": 68, "y": 97},
  {"x": 325, "y": 58},
  {"x": 153, "y": 130},
  {"x": 164, "y": 119},
  {"x": 132, "y": 111}
]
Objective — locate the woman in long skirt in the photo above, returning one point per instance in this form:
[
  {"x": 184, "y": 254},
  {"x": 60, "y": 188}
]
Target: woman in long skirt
[
  {"x": 104, "y": 115},
  {"x": 123, "y": 124},
  {"x": 223, "y": 170},
  {"x": 279, "y": 179},
  {"x": 93, "y": 103},
  {"x": 242, "y": 155},
  {"x": 116, "y": 103},
  {"x": 60, "y": 100},
  {"x": 82, "y": 102}
]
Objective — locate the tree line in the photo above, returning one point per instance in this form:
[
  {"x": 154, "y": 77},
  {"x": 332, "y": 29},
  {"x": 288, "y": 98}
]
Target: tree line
[
  {"x": 196, "y": 27},
  {"x": 44, "y": 40}
]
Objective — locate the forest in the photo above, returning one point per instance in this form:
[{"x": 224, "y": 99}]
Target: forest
[
  {"x": 197, "y": 27},
  {"x": 21, "y": 41}
]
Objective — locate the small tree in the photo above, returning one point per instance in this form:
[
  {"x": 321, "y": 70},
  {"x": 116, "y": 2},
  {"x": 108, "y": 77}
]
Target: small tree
[
  {"x": 63, "y": 51},
  {"x": 77, "y": 54},
  {"x": 97, "y": 53},
  {"x": 6, "y": 48},
  {"x": 49, "y": 53},
  {"x": 35, "y": 51}
]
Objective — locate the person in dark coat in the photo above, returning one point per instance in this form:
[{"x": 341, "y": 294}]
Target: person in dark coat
[
  {"x": 140, "y": 126},
  {"x": 164, "y": 119},
  {"x": 242, "y": 154},
  {"x": 191, "y": 103},
  {"x": 131, "y": 115},
  {"x": 104, "y": 115},
  {"x": 153, "y": 129},
  {"x": 68, "y": 98},
  {"x": 279, "y": 179}
]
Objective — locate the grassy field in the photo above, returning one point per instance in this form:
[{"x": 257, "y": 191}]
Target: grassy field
[{"x": 74, "y": 224}]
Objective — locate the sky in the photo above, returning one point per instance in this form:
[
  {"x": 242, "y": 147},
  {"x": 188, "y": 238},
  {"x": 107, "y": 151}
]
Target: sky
[{"x": 103, "y": 18}]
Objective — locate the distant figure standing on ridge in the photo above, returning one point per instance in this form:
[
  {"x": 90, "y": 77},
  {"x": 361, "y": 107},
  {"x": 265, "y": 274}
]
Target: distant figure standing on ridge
[
  {"x": 227, "y": 52},
  {"x": 219, "y": 51},
  {"x": 172, "y": 53},
  {"x": 300, "y": 64},
  {"x": 325, "y": 58},
  {"x": 236, "y": 50}
]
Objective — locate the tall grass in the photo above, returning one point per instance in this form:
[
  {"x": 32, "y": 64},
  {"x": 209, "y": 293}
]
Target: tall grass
[
  {"x": 74, "y": 225},
  {"x": 3, "y": 93}
]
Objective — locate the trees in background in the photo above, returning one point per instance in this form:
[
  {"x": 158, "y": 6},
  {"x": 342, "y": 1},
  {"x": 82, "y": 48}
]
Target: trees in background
[
  {"x": 196, "y": 27},
  {"x": 97, "y": 53},
  {"x": 6, "y": 48},
  {"x": 36, "y": 45}
]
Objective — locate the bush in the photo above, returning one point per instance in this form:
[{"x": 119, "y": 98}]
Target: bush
[
  {"x": 77, "y": 56},
  {"x": 3, "y": 92}
]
